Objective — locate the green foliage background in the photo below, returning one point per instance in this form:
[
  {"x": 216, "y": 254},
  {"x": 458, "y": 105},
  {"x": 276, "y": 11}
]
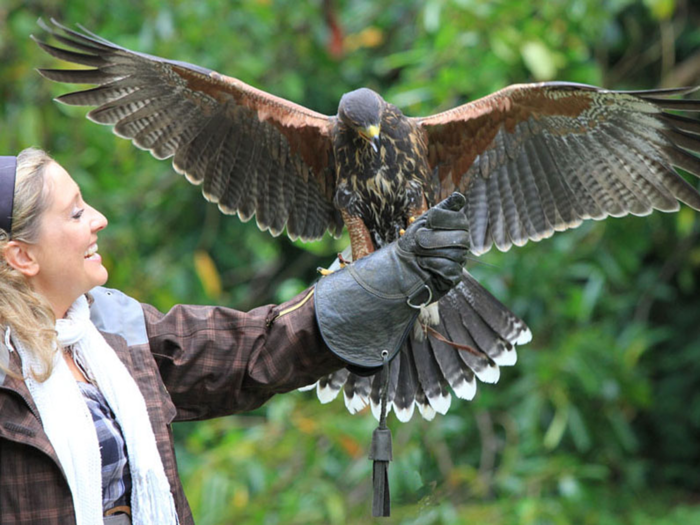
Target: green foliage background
[{"x": 598, "y": 423}]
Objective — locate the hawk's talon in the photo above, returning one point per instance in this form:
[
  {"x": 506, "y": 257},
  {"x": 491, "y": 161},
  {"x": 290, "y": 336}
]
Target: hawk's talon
[
  {"x": 324, "y": 271},
  {"x": 411, "y": 220}
]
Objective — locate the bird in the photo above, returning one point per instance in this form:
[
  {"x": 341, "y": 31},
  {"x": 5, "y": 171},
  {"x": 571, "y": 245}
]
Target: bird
[{"x": 531, "y": 159}]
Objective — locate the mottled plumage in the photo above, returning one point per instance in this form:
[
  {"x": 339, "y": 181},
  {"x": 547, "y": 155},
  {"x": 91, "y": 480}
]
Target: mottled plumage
[
  {"x": 386, "y": 186},
  {"x": 531, "y": 159}
]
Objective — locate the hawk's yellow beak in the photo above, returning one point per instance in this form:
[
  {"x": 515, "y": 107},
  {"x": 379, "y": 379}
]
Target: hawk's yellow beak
[{"x": 371, "y": 135}]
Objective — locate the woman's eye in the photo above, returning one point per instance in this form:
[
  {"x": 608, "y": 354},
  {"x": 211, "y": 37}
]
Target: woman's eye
[{"x": 78, "y": 213}]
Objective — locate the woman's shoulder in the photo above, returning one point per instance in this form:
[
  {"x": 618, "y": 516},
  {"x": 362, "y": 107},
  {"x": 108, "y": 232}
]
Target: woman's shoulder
[{"x": 114, "y": 312}]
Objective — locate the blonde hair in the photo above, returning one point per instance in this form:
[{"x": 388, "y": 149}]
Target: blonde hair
[{"x": 28, "y": 314}]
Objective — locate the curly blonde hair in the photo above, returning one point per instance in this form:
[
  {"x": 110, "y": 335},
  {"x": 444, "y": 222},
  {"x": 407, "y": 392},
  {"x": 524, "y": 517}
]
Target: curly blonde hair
[{"x": 28, "y": 314}]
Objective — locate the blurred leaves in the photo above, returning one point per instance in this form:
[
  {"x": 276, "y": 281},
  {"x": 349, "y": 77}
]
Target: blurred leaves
[
  {"x": 541, "y": 62},
  {"x": 598, "y": 423},
  {"x": 208, "y": 274}
]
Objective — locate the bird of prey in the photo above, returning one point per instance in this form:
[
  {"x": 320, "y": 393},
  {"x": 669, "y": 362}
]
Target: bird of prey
[{"x": 531, "y": 159}]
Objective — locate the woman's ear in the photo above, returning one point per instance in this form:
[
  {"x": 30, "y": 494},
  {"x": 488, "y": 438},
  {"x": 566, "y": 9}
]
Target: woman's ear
[{"x": 21, "y": 257}]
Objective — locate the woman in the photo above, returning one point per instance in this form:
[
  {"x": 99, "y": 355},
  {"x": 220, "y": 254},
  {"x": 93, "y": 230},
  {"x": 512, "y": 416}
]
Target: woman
[{"x": 90, "y": 379}]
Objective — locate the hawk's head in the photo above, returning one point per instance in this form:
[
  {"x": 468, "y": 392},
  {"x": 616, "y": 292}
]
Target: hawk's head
[{"x": 362, "y": 111}]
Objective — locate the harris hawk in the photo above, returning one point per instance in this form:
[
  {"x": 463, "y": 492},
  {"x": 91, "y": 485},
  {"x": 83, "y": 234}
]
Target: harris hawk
[{"x": 531, "y": 159}]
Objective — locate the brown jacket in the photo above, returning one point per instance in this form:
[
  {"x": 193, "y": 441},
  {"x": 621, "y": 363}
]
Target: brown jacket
[{"x": 195, "y": 362}]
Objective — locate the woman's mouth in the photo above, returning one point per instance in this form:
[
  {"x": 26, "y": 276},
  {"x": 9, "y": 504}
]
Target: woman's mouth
[{"x": 91, "y": 252}]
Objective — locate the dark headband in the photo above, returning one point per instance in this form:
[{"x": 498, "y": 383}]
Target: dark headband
[{"x": 8, "y": 169}]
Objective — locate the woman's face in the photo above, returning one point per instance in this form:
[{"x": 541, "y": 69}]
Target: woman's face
[{"x": 68, "y": 264}]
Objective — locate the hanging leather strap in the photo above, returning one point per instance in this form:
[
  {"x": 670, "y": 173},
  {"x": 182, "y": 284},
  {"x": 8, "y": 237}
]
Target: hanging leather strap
[{"x": 381, "y": 451}]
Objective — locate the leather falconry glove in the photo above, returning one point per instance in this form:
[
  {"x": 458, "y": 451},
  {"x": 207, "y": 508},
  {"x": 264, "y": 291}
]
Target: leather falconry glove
[{"x": 366, "y": 310}]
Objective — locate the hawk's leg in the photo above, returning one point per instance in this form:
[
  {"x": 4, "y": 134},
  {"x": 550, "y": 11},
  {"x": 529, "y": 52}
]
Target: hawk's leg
[{"x": 360, "y": 238}]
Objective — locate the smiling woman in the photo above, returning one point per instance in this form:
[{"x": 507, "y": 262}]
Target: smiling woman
[{"x": 90, "y": 379}]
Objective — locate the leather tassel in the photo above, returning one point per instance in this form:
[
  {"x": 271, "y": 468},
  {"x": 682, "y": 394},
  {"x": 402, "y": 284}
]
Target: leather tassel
[{"x": 381, "y": 454}]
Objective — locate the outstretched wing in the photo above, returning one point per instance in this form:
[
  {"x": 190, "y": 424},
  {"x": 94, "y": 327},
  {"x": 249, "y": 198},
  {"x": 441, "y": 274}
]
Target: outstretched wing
[
  {"x": 533, "y": 159},
  {"x": 253, "y": 153}
]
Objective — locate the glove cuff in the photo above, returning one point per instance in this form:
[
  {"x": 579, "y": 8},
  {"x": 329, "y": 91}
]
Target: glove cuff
[{"x": 363, "y": 310}]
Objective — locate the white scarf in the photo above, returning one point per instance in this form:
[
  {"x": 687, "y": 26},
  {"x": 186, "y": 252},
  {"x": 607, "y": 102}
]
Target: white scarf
[{"x": 69, "y": 426}]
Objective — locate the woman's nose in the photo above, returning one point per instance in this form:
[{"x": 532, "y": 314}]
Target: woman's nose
[{"x": 99, "y": 221}]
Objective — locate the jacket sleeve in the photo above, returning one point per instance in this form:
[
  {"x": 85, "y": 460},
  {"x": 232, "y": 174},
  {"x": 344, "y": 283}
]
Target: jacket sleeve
[{"x": 217, "y": 361}]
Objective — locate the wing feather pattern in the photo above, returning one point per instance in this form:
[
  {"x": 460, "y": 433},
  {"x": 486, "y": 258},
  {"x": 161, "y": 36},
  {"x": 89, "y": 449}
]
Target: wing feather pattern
[
  {"x": 254, "y": 154},
  {"x": 539, "y": 158}
]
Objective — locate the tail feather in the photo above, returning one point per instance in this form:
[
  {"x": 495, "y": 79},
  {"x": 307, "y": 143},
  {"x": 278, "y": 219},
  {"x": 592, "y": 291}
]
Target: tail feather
[
  {"x": 483, "y": 335},
  {"x": 504, "y": 322},
  {"x": 485, "y": 369},
  {"x": 328, "y": 387},
  {"x": 424, "y": 407},
  {"x": 460, "y": 377},
  {"x": 430, "y": 376},
  {"x": 486, "y": 339},
  {"x": 404, "y": 398},
  {"x": 376, "y": 390},
  {"x": 356, "y": 393}
]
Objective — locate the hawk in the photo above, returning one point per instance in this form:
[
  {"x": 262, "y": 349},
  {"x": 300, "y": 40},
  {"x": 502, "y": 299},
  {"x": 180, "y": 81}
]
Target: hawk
[{"x": 531, "y": 159}]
